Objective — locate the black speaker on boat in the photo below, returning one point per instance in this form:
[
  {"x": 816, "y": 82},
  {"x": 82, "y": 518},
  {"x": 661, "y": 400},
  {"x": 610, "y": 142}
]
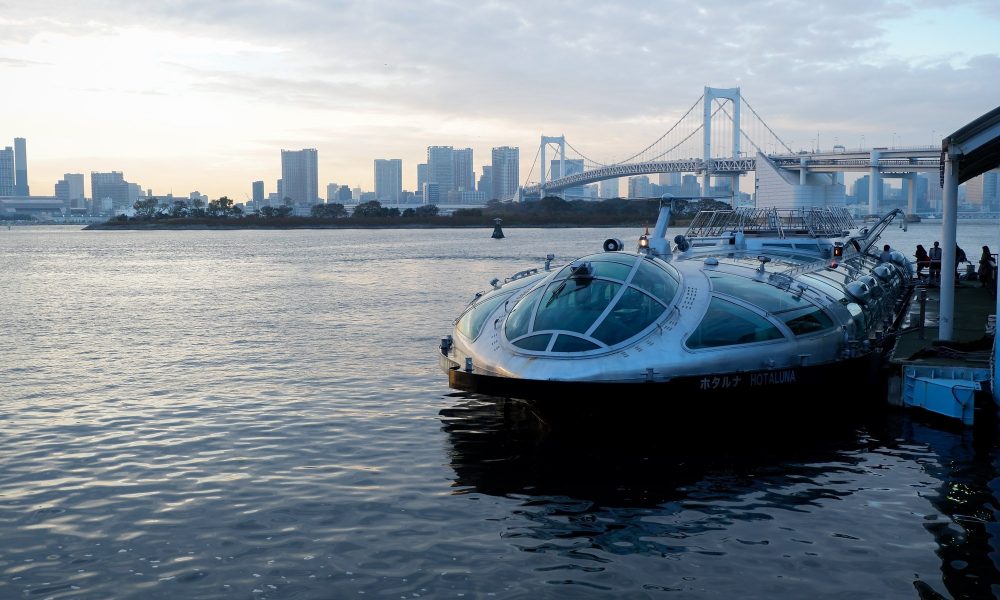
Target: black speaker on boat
[{"x": 613, "y": 245}]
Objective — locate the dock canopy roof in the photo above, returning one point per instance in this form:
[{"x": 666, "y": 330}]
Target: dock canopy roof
[{"x": 978, "y": 145}]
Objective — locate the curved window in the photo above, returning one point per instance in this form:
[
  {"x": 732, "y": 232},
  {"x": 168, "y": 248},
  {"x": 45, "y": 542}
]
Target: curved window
[
  {"x": 764, "y": 295},
  {"x": 805, "y": 320},
  {"x": 726, "y": 324},
  {"x": 471, "y": 323},
  {"x": 596, "y": 302},
  {"x": 520, "y": 317}
]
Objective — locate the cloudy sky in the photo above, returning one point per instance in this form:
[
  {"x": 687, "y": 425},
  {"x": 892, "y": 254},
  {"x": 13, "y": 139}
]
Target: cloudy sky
[{"x": 203, "y": 94}]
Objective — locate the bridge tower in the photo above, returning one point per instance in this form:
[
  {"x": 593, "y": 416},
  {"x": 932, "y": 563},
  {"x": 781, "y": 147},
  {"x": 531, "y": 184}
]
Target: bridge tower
[
  {"x": 733, "y": 95},
  {"x": 546, "y": 140}
]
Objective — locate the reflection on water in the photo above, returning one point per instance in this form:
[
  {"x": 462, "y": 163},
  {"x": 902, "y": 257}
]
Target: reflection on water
[{"x": 591, "y": 495}]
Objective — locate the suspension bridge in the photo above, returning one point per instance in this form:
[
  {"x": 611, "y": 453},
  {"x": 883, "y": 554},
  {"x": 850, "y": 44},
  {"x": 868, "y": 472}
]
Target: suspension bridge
[{"x": 720, "y": 141}]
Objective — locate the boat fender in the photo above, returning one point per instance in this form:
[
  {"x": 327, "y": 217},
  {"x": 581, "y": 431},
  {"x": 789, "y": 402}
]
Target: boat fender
[
  {"x": 613, "y": 245},
  {"x": 859, "y": 291}
]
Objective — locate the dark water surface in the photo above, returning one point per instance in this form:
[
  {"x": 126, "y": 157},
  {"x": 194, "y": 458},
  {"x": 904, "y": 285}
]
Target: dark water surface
[{"x": 260, "y": 414}]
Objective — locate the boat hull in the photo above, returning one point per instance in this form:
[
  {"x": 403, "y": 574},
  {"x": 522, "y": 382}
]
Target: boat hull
[{"x": 772, "y": 395}]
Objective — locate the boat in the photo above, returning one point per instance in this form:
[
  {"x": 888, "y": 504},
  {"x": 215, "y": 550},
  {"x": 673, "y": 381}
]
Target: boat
[{"x": 752, "y": 312}]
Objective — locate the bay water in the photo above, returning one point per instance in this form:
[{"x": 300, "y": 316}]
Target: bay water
[{"x": 260, "y": 414}]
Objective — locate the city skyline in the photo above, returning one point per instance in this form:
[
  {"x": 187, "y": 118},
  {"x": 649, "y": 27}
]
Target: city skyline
[{"x": 203, "y": 100}]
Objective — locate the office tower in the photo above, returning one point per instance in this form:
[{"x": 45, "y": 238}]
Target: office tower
[
  {"x": 258, "y": 194},
  {"x": 300, "y": 177},
  {"x": 432, "y": 193},
  {"x": 7, "y": 171},
  {"x": 463, "y": 170},
  {"x": 506, "y": 178},
  {"x": 20, "y": 168},
  {"x": 982, "y": 191},
  {"x": 331, "y": 192},
  {"x": 421, "y": 176},
  {"x": 110, "y": 193},
  {"x": 609, "y": 188},
  {"x": 639, "y": 187},
  {"x": 344, "y": 194},
  {"x": 690, "y": 185},
  {"x": 388, "y": 179},
  {"x": 69, "y": 190},
  {"x": 441, "y": 167},
  {"x": 572, "y": 166},
  {"x": 486, "y": 181}
]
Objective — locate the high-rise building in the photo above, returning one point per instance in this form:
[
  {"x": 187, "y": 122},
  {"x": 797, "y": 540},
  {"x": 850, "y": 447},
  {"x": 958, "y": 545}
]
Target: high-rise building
[
  {"x": 506, "y": 177},
  {"x": 639, "y": 187},
  {"x": 421, "y": 176},
  {"x": 983, "y": 191},
  {"x": 300, "y": 177},
  {"x": 441, "y": 167},
  {"x": 20, "y": 168},
  {"x": 572, "y": 166},
  {"x": 609, "y": 188},
  {"x": 110, "y": 193},
  {"x": 331, "y": 192},
  {"x": 432, "y": 194},
  {"x": 7, "y": 171},
  {"x": 258, "y": 194},
  {"x": 486, "y": 181},
  {"x": 388, "y": 179},
  {"x": 463, "y": 170},
  {"x": 69, "y": 190}
]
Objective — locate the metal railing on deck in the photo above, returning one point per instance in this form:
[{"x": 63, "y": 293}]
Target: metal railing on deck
[{"x": 780, "y": 222}]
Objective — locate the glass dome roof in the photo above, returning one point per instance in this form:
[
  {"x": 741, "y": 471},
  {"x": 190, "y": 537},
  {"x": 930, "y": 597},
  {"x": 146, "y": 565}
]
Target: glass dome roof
[{"x": 597, "y": 302}]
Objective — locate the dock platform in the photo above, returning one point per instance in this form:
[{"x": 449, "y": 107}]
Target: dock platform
[{"x": 947, "y": 377}]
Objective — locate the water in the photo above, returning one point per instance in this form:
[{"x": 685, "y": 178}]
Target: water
[{"x": 259, "y": 414}]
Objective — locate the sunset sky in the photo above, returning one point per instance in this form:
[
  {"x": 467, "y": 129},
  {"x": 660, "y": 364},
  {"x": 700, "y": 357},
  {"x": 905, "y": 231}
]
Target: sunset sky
[{"x": 202, "y": 95}]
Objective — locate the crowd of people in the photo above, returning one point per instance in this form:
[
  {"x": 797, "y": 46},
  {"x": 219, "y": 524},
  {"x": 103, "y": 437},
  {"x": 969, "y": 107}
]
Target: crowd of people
[{"x": 930, "y": 259}]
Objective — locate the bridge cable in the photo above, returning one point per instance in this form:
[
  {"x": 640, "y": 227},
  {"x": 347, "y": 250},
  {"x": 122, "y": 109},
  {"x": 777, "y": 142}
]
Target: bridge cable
[
  {"x": 669, "y": 131},
  {"x": 766, "y": 126},
  {"x": 532, "y": 168},
  {"x": 689, "y": 136}
]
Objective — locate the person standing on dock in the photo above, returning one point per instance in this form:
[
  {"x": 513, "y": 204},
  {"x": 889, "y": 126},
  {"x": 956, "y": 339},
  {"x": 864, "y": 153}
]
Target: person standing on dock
[
  {"x": 986, "y": 268},
  {"x": 923, "y": 260},
  {"x": 935, "y": 266}
]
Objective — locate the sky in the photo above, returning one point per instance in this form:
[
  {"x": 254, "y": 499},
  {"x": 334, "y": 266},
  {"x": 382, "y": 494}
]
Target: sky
[{"x": 202, "y": 95}]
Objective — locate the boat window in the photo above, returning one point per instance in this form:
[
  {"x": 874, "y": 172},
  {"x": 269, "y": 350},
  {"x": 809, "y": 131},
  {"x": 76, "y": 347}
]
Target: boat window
[
  {"x": 534, "y": 342},
  {"x": 726, "y": 324},
  {"x": 650, "y": 279},
  {"x": 807, "y": 319},
  {"x": 611, "y": 266},
  {"x": 471, "y": 323},
  {"x": 571, "y": 343},
  {"x": 830, "y": 288},
  {"x": 574, "y": 305},
  {"x": 634, "y": 312},
  {"x": 622, "y": 297},
  {"x": 764, "y": 295},
  {"x": 520, "y": 317}
]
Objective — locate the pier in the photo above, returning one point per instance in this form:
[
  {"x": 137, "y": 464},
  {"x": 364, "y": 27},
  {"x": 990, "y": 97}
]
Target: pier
[{"x": 950, "y": 377}]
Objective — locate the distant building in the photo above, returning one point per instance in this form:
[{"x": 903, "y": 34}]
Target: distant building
[
  {"x": 421, "y": 176},
  {"x": 441, "y": 167},
  {"x": 608, "y": 188},
  {"x": 299, "y": 176},
  {"x": 7, "y": 171},
  {"x": 464, "y": 171},
  {"x": 506, "y": 169},
  {"x": 331, "y": 192},
  {"x": 344, "y": 195},
  {"x": 983, "y": 191},
  {"x": 69, "y": 190},
  {"x": 571, "y": 167},
  {"x": 258, "y": 194},
  {"x": 388, "y": 180},
  {"x": 432, "y": 194},
  {"x": 486, "y": 181},
  {"x": 110, "y": 193},
  {"x": 20, "y": 168},
  {"x": 639, "y": 187}
]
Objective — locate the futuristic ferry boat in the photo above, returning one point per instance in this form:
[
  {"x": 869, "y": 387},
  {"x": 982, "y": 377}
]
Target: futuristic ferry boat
[{"x": 751, "y": 311}]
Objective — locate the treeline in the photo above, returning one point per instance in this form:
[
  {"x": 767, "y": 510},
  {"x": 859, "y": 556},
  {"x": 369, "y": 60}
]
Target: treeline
[{"x": 548, "y": 211}]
